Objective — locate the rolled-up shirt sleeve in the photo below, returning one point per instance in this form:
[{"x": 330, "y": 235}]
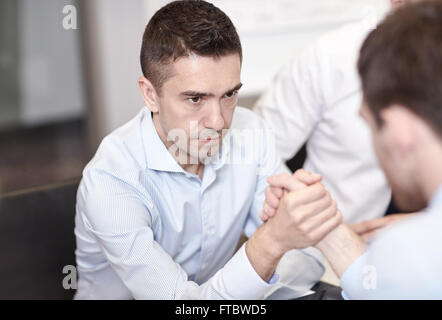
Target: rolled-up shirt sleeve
[{"x": 117, "y": 216}]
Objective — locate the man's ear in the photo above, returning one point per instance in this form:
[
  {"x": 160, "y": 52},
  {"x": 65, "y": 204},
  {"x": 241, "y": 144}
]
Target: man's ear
[
  {"x": 396, "y": 3},
  {"x": 149, "y": 94},
  {"x": 401, "y": 126}
]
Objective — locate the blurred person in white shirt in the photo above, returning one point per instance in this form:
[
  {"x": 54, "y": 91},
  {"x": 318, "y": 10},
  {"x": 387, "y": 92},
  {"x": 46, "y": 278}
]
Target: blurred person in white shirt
[{"x": 314, "y": 100}]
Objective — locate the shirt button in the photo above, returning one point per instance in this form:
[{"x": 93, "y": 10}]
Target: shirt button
[
  {"x": 204, "y": 266},
  {"x": 210, "y": 232}
]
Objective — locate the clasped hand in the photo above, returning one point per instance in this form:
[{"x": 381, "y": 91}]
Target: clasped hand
[{"x": 298, "y": 210}]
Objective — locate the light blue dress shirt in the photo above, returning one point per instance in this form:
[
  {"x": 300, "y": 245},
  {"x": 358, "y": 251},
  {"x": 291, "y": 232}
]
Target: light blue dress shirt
[
  {"x": 403, "y": 262},
  {"x": 147, "y": 229}
]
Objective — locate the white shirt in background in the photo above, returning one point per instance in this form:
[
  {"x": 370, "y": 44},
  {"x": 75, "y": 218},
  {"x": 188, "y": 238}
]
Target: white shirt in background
[{"x": 316, "y": 98}]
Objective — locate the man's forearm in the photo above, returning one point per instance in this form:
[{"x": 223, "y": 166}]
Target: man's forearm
[
  {"x": 263, "y": 254},
  {"x": 341, "y": 247}
]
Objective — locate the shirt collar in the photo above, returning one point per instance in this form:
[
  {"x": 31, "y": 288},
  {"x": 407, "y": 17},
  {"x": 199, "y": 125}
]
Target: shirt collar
[
  {"x": 156, "y": 154},
  {"x": 159, "y": 158}
]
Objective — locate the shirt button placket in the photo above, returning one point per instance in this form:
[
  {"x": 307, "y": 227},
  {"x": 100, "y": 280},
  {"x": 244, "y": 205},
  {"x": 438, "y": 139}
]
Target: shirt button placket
[{"x": 204, "y": 232}]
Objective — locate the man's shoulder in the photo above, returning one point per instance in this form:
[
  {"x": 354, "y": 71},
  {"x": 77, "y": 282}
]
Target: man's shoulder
[
  {"x": 332, "y": 56},
  {"x": 348, "y": 37},
  {"x": 121, "y": 149}
]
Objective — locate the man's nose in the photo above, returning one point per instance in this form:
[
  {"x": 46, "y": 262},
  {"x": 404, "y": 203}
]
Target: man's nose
[{"x": 215, "y": 118}]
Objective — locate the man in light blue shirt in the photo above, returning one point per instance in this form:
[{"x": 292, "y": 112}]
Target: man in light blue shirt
[
  {"x": 162, "y": 204},
  {"x": 400, "y": 65}
]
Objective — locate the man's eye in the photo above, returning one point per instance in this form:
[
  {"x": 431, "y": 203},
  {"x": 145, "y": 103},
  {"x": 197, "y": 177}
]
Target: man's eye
[
  {"x": 195, "y": 100},
  {"x": 230, "y": 94}
]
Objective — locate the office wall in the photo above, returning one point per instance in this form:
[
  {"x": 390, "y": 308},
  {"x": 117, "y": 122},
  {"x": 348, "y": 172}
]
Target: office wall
[
  {"x": 50, "y": 68},
  {"x": 9, "y": 86},
  {"x": 273, "y": 31},
  {"x": 112, "y": 32}
]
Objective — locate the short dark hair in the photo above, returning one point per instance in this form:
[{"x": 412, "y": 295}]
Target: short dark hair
[
  {"x": 401, "y": 63},
  {"x": 181, "y": 28}
]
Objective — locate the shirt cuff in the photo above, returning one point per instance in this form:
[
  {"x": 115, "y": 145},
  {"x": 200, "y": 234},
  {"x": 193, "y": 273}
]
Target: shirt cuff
[
  {"x": 352, "y": 280},
  {"x": 241, "y": 280},
  {"x": 344, "y": 296}
]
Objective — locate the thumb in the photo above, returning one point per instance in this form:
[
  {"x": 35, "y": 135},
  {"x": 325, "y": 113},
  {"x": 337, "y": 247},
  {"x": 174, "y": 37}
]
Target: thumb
[
  {"x": 285, "y": 181},
  {"x": 306, "y": 177}
]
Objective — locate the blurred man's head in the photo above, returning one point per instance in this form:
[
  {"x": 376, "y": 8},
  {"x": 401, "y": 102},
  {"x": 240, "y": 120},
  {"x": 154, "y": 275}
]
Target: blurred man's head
[
  {"x": 191, "y": 60},
  {"x": 401, "y": 71}
]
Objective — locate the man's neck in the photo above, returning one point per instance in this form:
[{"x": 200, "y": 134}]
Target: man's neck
[{"x": 197, "y": 169}]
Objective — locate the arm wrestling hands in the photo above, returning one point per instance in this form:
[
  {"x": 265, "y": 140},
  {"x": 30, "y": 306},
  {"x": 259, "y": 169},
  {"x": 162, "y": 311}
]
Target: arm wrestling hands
[
  {"x": 365, "y": 229},
  {"x": 304, "y": 214},
  {"x": 340, "y": 244},
  {"x": 299, "y": 212}
]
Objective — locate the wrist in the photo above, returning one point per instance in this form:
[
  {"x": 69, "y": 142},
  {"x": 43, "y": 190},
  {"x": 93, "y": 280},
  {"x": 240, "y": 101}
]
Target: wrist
[
  {"x": 329, "y": 239},
  {"x": 341, "y": 247},
  {"x": 270, "y": 242},
  {"x": 263, "y": 253}
]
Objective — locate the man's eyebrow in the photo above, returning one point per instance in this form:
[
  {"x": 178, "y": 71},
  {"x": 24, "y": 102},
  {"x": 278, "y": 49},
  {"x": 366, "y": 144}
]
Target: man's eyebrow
[
  {"x": 191, "y": 93},
  {"x": 236, "y": 88}
]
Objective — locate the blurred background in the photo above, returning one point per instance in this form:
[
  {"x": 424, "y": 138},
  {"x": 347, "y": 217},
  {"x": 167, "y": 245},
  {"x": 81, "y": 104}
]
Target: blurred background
[{"x": 68, "y": 77}]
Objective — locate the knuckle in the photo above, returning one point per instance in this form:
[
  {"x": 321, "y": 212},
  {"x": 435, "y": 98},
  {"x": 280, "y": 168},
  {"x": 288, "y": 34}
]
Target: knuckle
[
  {"x": 339, "y": 217},
  {"x": 334, "y": 213},
  {"x": 266, "y": 207},
  {"x": 334, "y": 206},
  {"x": 274, "y": 202},
  {"x": 328, "y": 196},
  {"x": 262, "y": 215},
  {"x": 327, "y": 200},
  {"x": 305, "y": 230},
  {"x": 310, "y": 230},
  {"x": 298, "y": 215},
  {"x": 321, "y": 190},
  {"x": 311, "y": 238},
  {"x": 277, "y": 192}
]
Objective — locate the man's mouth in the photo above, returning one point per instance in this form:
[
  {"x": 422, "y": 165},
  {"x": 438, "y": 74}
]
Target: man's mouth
[{"x": 209, "y": 139}]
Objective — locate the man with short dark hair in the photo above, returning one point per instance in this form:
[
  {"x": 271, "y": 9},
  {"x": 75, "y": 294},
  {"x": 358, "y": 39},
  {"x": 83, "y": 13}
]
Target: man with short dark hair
[
  {"x": 163, "y": 203},
  {"x": 400, "y": 66}
]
